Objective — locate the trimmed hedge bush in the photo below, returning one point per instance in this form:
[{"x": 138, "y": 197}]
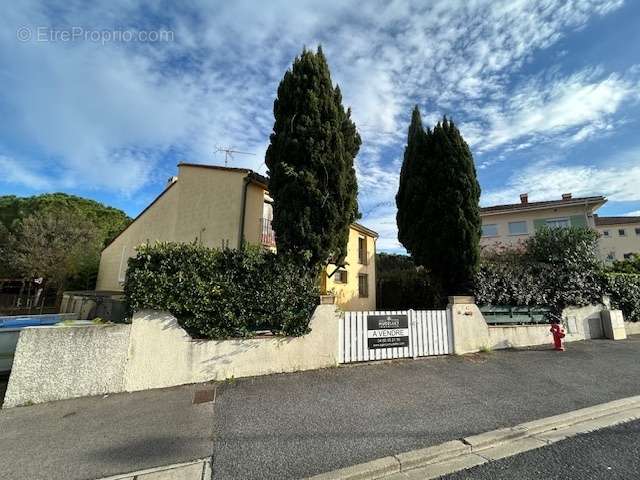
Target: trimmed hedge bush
[
  {"x": 217, "y": 294},
  {"x": 624, "y": 291},
  {"x": 559, "y": 267}
]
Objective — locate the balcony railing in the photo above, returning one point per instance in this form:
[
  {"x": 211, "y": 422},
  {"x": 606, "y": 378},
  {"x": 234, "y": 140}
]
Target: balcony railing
[{"x": 267, "y": 235}]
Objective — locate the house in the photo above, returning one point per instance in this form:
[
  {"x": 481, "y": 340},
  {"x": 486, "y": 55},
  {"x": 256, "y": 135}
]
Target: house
[
  {"x": 619, "y": 236},
  {"x": 509, "y": 225},
  {"x": 222, "y": 207}
]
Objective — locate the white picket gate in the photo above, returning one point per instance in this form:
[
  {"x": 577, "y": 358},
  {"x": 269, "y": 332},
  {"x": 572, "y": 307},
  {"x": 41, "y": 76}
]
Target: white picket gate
[{"x": 430, "y": 333}]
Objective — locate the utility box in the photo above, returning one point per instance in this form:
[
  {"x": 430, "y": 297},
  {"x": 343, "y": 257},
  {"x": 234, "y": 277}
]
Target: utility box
[{"x": 613, "y": 324}]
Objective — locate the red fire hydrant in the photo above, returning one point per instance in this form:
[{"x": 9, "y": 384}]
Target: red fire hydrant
[{"x": 558, "y": 335}]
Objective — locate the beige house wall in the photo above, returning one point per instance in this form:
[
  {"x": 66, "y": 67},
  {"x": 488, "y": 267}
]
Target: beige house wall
[
  {"x": 209, "y": 206},
  {"x": 155, "y": 223},
  {"x": 254, "y": 207},
  {"x": 347, "y": 294},
  {"x": 205, "y": 204},
  {"x": 502, "y": 219},
  {"x": 614, "y": 246}
]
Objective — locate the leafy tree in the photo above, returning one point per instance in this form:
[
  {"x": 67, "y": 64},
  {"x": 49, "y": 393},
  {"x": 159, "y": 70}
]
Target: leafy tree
[
  {"x": 559, "y": 267},
  {"x": 628, "y": 265},
  {"x": 56, "y": 247},
  {"x": 438, "y": 213},
  {"x": 106, "y": 223},
  {"x": 400, "y": 284},
  {"x": 108, "y": 220},
  {"x": 310, "y": 160}
]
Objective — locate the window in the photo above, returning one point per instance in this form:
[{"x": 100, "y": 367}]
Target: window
[
  {"x": 611, "y": 256},
  {"x": 558, "y": 223},
  {"x": 490, "y": 230},
  {"x": 622, "y": 232},
  {"x": 637, "y": 230},
  {"x": 363, "y": 285},
  {"x": 628, "y": 256},
  {"x": 517, "y": 228},
  {"x": 341, "y": 276},
  {"x": 362, "y": 250},
  {"x": 605, "y": 233}
]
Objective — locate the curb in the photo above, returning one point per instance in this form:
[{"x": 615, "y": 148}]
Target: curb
[
  {"x": 475, "y": 450},
  {"x": 200, "y": 469}
]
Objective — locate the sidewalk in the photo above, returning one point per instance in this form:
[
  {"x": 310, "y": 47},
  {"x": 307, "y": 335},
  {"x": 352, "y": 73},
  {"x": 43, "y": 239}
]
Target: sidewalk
[
  {"x": 96, "y": 437},
  {"x": 297, "y": 425}
]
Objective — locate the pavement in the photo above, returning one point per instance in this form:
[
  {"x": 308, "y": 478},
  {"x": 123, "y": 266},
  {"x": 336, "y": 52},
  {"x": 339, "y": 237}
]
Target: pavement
[
  {"x": 296, "y": 425},
  {"x": 611, "y": 453},
  {"x": 94, "y": 437}
]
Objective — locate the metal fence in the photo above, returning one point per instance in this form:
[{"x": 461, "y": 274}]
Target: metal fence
[{"x": 518, "y": 315}]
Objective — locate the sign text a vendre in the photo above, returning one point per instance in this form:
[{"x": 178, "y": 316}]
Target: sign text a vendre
[{"x": 387, "y": 331}]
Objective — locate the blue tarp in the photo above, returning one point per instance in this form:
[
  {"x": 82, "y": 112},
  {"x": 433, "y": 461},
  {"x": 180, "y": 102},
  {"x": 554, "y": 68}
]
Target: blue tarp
[{"x": 29, "y": 321}]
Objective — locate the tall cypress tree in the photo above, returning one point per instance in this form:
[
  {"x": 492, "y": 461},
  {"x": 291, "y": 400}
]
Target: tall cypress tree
[
  {"x": 310, "y": 161},
  {"x": 438, "y": 212}
]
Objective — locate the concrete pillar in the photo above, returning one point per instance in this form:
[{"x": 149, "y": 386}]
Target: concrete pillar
[
  {"x": 470, "y": 330},
  {"x": 613, "y": 324}
]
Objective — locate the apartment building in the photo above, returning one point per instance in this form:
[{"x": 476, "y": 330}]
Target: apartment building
[
  {"x": 507, "y": 226},
  {"x": 619, "y": 236}
]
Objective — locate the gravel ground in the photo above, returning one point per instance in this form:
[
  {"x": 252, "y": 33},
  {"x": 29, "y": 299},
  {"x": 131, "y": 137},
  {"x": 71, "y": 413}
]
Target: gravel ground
[
  {"x": 611, "y": 453},
  {"x": 291, "y": 426}
]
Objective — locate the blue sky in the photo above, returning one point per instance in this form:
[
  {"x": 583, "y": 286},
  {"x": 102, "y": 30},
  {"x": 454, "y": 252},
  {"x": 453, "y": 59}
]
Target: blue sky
[{"x": 546, "y": 93}]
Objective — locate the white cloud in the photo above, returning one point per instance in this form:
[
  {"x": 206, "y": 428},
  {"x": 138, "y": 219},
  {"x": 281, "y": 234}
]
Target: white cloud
[
  {"x": 544, "y": 181},
  {"x": 107, "y": 115},
  {"x": 16, "y": 173},
  {"x": 635, "y": 213},
  {"x": 543, "y": 108}
]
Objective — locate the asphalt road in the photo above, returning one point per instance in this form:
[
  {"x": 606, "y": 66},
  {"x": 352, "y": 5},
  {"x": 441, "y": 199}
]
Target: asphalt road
[
  {"x": 94, "y": 437},
  {"x": 611, "y": 453},
  {"x": 295, "y": 425},
  {"x": 291, "y": 426}
]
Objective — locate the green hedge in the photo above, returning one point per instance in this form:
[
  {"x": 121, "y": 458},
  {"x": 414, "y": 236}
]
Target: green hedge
[
  {"x": 557, "y": 268},
  {"x": 624, "y": 291},
  {"x": 217, "y": 294}
]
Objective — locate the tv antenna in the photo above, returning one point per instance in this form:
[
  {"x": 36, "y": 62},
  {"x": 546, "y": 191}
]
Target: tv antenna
[{"x": 229, "y": 152}]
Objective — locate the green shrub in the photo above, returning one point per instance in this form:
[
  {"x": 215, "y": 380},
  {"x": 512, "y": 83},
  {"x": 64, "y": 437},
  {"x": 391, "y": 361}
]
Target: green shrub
[
  {"x": 624, "y": 291},
  {"x": 218, "y": 294},
  {"x": 628, "y": 265},
  {"x": 559, "y": 267}
]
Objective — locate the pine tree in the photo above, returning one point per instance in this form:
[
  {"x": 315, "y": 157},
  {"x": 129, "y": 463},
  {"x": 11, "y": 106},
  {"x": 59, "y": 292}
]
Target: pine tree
[
  {"x": 438, "y": 212},
  {"x": 310, "y": 161}
]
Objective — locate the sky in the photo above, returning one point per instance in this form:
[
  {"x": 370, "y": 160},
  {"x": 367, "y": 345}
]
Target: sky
[{"x": 103, "y": 100}]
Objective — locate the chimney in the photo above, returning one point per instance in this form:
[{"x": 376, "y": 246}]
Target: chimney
[
  {"x": 566, "y": 196},
  {"x": 524, "y": 198}
]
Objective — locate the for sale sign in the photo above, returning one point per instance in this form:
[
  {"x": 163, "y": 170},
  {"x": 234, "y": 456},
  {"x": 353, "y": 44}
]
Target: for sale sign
[{"x": 385, "y": 331}]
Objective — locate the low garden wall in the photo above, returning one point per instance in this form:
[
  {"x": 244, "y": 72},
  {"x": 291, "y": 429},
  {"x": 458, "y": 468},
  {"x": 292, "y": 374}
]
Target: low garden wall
[
  {"x": 60, "y": 362},
  {"x": 57, "y": 363},
  {"x": 581, "y": 323},
  {"x": 632, "y": 328},
  {"x": 162, "y": 354}
]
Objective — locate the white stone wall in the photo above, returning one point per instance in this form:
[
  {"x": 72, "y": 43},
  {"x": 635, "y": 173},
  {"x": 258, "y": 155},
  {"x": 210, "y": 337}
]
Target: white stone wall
[
  {"x": 162, "y": 354},
  {"x": 57, "y": 363},
  {"x": 60, "y": 362}
]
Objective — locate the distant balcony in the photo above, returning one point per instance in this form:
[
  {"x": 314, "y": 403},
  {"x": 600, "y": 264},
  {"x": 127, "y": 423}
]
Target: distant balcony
[{"x": 267, "y": 235}]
